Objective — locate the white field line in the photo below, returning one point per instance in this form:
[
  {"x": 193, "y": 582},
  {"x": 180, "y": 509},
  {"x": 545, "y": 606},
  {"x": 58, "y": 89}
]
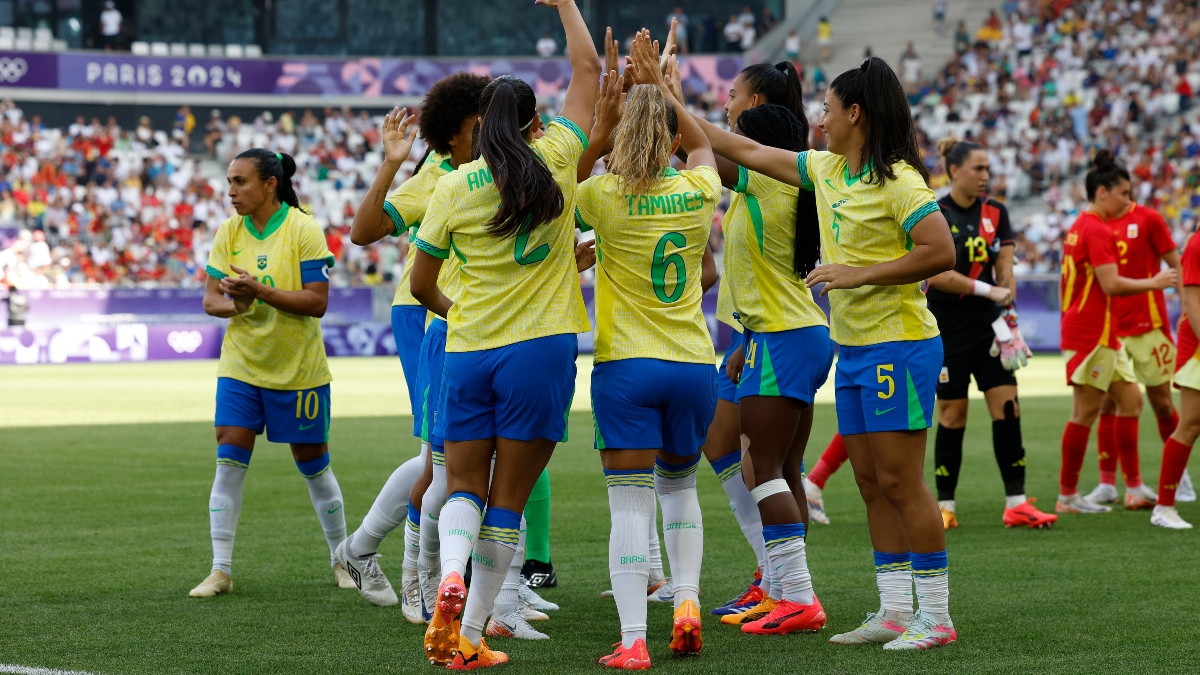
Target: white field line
[{"x": 25, "y": 670}]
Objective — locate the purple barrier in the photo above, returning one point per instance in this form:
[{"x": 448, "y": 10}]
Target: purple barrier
[
  {"x": 107, "y": 344},
  {"x": 66, "y": 307},
  {"x": 365, "y": 77}
]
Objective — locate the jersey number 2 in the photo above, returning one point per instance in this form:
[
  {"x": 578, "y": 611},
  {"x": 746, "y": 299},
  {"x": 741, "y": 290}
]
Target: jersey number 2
[
  {"x": 537, "y": 255},
  {"x": 658, "y": 267}
]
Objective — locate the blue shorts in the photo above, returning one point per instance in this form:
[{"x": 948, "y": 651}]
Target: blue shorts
[
  {"x": 888, "y": 386},
  {"x": 726, "y": 389},
  {"x": 408, "y": 328},
  {"x": 521, "y": 391},
  {"x": 288, "y": 416},
  {"x": 792, "y": 363},
  {"x": 648, "y": 404},
  {"x": 433, "y": 359}
]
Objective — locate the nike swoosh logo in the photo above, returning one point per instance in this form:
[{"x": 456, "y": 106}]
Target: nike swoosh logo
[
  {"x": 339, "y": 507},
  {"x": 306, "y": 428},
  {"x": 215, "y": 510},
  {"x": 877, "y": 411},
  {"x": 830, "y": 184},
  {"x": 237, "y": 252}
]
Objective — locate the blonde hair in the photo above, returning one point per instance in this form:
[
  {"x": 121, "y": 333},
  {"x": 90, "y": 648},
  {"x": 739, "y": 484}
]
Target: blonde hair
[{"x": 643, "y": 139}]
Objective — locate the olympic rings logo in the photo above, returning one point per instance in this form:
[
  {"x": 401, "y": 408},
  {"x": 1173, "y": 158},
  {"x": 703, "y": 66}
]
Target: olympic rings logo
[{"x": 12, "y": 70}]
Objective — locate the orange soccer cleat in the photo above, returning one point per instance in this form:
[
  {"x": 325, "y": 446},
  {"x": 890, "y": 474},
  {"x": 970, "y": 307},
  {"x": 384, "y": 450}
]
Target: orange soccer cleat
[
  {"x": 1026, "y": 515},
  {"x": 685, "y": 633},
  {"x": 470, "y": 657},
  {"x": 636, "y": 657},
  {"x": 442, "y": 636},
  {"x": 789, "y": 617}
]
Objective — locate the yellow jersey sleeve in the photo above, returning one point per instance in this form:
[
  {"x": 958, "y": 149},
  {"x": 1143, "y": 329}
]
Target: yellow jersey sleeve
[
  {"x": 515, "y": 288},
  {"x": 218, "y": 257},
  {"x": 911, "y": 199},
  {"x": 760, "y": 244},
  {"x": 649, "y": 255},
  {"x": 405, "y": 207}
]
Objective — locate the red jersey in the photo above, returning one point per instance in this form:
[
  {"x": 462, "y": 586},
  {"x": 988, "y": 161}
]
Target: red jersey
[
  {"x": 1191, "y": 277},
  {"x": 1142, "y": 239},
  {"x": 1087, "y": 315}
]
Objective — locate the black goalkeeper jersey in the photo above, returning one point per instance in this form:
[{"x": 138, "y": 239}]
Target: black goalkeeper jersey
[{"x": 979, "y": 232}]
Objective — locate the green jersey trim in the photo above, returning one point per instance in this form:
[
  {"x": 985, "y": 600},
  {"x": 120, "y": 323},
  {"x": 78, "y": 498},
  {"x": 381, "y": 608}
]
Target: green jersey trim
[
  {"x": 574, "y": 129},
  {"x": 273, "y": 223},
  {"x": 802, "y": 168},
  {"x": 743, "y": 180},
  {"x": 431, "y": 249},
  {"x": 916, "y": 217},
  {"x": 583, "y": 227},
  {"x": 398, "y": 226},
  {"x": 214, "y": 272}
]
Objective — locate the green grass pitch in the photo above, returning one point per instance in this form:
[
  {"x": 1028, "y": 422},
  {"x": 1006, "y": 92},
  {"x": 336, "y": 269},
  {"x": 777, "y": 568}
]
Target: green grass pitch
[{"x": 104, "y": 532}]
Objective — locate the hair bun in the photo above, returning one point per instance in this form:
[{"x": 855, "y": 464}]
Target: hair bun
[
  {"x": 783, "y": 66},
  {"x": 1104, "y": 159},
  {"x": 945, "y": 145},
  {"x": 288, "y": 164}
]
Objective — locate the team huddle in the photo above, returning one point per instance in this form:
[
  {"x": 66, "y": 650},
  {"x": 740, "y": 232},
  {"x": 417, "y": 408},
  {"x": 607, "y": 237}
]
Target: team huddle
[{"x": 489, "y": 307}]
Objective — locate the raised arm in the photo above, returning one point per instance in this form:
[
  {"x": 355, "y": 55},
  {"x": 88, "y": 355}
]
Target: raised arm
[
  {"x": 608, "y": 113},
  {"x": 774, "y": 162},
  {"x": 727, "y": 170},
  {"x": 645, "y": 61},
  {"x": 932, "y": 253},
  {"x": 585, "y": 64},
  {"x": 371, "y": 223}
]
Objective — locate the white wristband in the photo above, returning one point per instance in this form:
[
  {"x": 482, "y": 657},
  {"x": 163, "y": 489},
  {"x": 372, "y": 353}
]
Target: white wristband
[{"x": 983, "y": 288}]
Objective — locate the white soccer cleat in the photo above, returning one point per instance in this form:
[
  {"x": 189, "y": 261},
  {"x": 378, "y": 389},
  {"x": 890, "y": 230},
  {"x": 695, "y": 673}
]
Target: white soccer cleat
[
  {"x": 876, "y": 630},
  {"x": 1186, "y": 492},
  {"x": 372, "y": 583},
  {"x": 924, "y": 633},
  {"x": 410, "y": 597},
  {"x": 342, "y": 577},
  {"x": 1077, "y": 504},
  {"x": 530, "y": 613},
  {"x": 1103, "y": 494},
  {"x": 513, "y": 625},
  {"x": 217, "y": 583},
  {"x": 664, "y": 593},
  {"x": 1168, "y": 517},
  {"x": 530, "y": 597},
  {"x": 1140, "y": 497},
  {"x": 816, "y": 502},
  {"x": 428, "y": 581}
]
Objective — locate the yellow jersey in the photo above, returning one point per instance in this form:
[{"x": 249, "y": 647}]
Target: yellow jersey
[
  {"x": 725, "y": 308},
  {"x": 760, "y": 248},
  {"x": 406, "y": 207},
  {"x": 649, "y": 255},
  {"x": 514, "y": 288},
  {"x": 864, "y": 225},
  {"x": 264, "y": 346}
]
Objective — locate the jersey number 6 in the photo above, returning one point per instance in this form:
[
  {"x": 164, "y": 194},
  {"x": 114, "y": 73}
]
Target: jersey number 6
[{"x": 658, "y": 268}]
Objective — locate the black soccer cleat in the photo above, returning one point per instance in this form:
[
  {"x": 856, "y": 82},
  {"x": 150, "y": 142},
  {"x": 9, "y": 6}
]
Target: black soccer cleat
[{"x": 539, "y": 574}]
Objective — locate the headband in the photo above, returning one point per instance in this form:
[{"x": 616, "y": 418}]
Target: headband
[
  {"x": 278, "y": 156},
  {"x": 531, "y": 119}
]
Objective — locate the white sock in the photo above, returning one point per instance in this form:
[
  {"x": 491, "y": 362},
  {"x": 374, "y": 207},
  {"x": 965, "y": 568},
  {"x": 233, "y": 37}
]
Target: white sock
[
  {"x": 771, "y": 580},
  {"x": 656, "y": 566},
  {"x": 494, "y": 553},
  {"x": 225, "y": 504},
  {"x": 389, "y": 511},
  {"x": 632, "y": 510},
  {"x": 947, "y": 504},
  {"x": 729, "y": 472},
  {"x": 458, "y": 529},
  {"x": 431, "y": 510},
  {"x": 1013, "y": 501},
  {"x": 506, "y": 601},
  {"x": 683, "y": 526},
  {"x": 893, "y": 576},
  {"x": 412, "y": 537},
  {"x": 327, "y": 501},
  {"x": 785, "y": 555},
  {"x": 931, "y": 574}
]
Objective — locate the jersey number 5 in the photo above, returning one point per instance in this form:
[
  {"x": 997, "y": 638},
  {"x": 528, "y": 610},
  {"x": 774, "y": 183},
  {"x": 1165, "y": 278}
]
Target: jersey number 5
[
  {"x": 658, "y": 268},
  {"x": 891, "y": 384}
]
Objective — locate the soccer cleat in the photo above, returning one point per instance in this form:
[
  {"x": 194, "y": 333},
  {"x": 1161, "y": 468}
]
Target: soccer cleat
[
  {"x": 1140, "y": 498},
  {"x": 876, "y": 630},
  {"x": 662, "y": 591},
  {"x": 949, "y": 520},
  {"x": 1026, "y": 515},
  {"x": 530, "y": 613},
  {"x": 789, "y": 617},
  {"x": 410, "y": 597},
  {"x": 215, "y": 583},
  {"x": 342, "y": 577},
  {"x": 752, "y": 614},
  {"x": 428, "y": 582},
  {"x": 513, "y": 625},
  {"x": 530, "y": 597},
  {"x": 923, "y": 633},
  {"x": 1186, "y": 492},
  {"x": 470, "y": 657},
  {"x": 636, "y": 657},
  {"x": 1078, "y": 504},
  {"x": 1103, "y": 494},
  {"x": 1168, "y": 517},
  {"x": 372, "y": 584},
  {"x": 748, "y": 598},
  {"x": 816, "y": 502},
  {"x": 539, "y": 574},
  {"x": 442, "y": 636},
  {"x": 685, "y": 631}
]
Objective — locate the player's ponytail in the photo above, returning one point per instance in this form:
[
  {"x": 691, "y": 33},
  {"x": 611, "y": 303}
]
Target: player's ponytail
[
  {"x": 779, "y": 84},
  {"x": 889, "y": 133},
  {"x": 776, "y": 126},
  {"x": 955, "y": 152},
  {"x": 643, "y": 139},
  {"x": 528, "y": 194},
  {"x": 1105, "y": 172},
  {"x": 281, "y": 167}
]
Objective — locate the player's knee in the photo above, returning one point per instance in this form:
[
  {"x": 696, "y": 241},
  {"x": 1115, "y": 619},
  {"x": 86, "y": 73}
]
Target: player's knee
[
  {"x": 1189, "y": 430},
  {"x": 1162, "y": 408},
  {"x": 671, "y": 477},
  {"x": 953, "y": 417}
]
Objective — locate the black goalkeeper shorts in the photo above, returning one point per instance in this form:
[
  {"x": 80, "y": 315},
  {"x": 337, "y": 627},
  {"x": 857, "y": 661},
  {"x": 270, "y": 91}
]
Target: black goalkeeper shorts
[{"x": 957, "y": 369}]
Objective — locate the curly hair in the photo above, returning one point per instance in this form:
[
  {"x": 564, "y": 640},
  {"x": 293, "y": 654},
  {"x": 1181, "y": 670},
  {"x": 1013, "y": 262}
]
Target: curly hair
[
  {"x": 643, "y": 138},
  {"x": 450, "y": 101}
]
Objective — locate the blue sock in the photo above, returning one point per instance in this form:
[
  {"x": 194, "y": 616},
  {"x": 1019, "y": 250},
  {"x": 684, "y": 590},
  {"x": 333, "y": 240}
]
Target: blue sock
[
  {"x": 232, "y": 455},
  {"x": 728, "y": 466},
  {"x": 314, "y": 467}
]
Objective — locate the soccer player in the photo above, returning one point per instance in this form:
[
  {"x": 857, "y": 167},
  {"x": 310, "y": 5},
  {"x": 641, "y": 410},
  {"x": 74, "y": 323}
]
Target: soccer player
[
  {"x": 447, "y": 122},
  {"x": 272, "y": 374},
  {"x": 653, "y": 386},
  {"x": 814, "y": 483},
  {"x": 882, "y": 234},
  {"x": 967, "y": 301},
  {"x": 510, "y": 345},
  {"x": 1141, "y": 323},
  {"x": 1178, "y": 447},
  {"x": 1096, "y": 364}
]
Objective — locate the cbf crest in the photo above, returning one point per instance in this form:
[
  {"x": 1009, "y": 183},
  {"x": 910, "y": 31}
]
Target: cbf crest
[{"x": 262, "y": 262}]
